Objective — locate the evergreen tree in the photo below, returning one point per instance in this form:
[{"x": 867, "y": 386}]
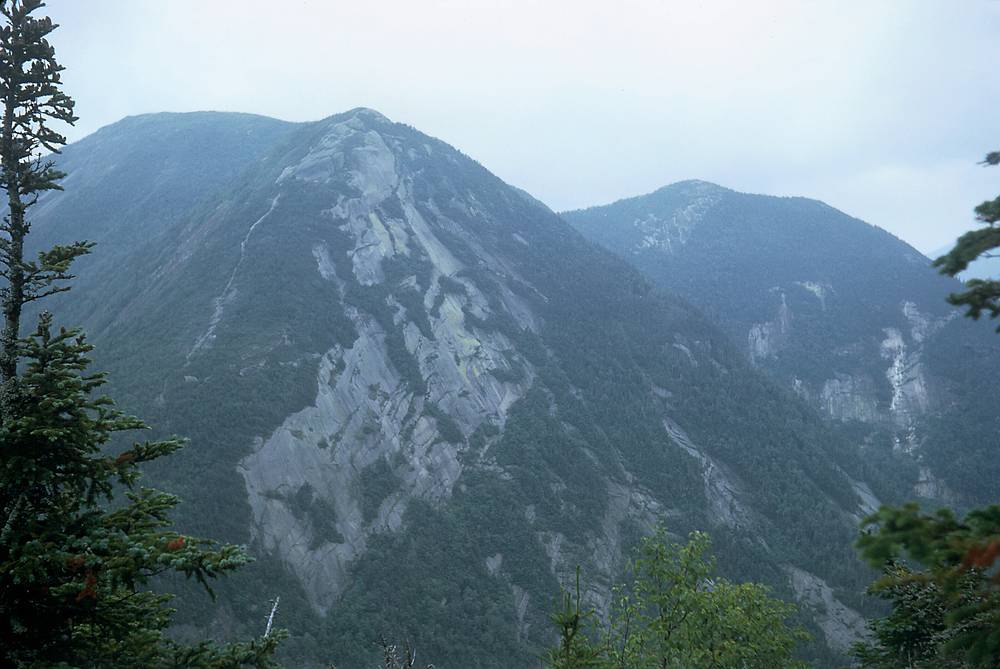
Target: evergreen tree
[
  {"x": 949, "y": 613},
  {"x": 31, "y": 98},
  {"x": 77, "y": 561},
  {"x": 75, "y": 569},
  {"x": 915, "y": 633},
  {"x": 980, "y": 295},
  {"x": 960, "y": 559},
  {"x": 392, "y": 658},
  {"x": 576, "y": 650}
]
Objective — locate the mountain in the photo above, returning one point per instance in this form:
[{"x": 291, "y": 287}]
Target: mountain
[
  {"x": 851, "y": 318},
  {"x": 422, "y": 398},
  {"x": 130, "y": 182}
]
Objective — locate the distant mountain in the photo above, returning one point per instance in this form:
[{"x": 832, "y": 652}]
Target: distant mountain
[
  {"x": 128, "y": 183},
  {"x": 848, "y": 316},
  {"x": 423, "y": 399}
]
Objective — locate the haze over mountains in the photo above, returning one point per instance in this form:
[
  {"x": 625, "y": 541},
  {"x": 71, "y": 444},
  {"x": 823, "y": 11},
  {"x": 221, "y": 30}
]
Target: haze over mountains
[
  {"x": 423, "y": 398},
  {"x": 846, "y": 315}
]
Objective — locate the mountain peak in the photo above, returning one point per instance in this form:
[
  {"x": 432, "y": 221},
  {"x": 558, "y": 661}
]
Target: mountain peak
[
  {"x": 679, "y": 189},
  {"x": 689, "y": 190},
  {"x": 378, "y": 349},
  {"x": 361, "y": 116},
  {"x": 695, "y": 184},
  {"x": 357, "y": 144}
]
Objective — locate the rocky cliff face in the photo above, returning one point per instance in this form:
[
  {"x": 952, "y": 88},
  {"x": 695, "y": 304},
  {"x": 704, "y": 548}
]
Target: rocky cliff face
[
  {"x": 366, "y": 413},
  {"x": 423, "y": 399},
  {"x": 850, "y": 318}
]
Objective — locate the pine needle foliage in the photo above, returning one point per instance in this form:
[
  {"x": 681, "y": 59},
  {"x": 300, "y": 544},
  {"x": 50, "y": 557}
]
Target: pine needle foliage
[
  {"x": 76, "y": 564},
  {"x": 81, "y": 541},
  {"x": 31, "y": 100},
  {"x": 959, "y": 560},
  {"x": 980, "y": 296}
]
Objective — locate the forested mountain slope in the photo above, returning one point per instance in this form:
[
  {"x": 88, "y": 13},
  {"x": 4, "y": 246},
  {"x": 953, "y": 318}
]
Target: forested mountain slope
[
  {"x": 422, "y": 398},
  {"x": 848, "y": 316}
]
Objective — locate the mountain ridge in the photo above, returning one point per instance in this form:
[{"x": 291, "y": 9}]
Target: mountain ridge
[
  {"x": 688, "y": 184},
  {"x": 422, "y": 398},
  {"x": 846, "y": 314}
]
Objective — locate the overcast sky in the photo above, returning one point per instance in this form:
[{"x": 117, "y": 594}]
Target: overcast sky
[{"x": 881, "y": 109}]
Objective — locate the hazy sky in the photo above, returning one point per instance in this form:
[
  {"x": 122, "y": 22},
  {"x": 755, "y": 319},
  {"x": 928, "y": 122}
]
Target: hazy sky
[{"x": 881, "y": 109}]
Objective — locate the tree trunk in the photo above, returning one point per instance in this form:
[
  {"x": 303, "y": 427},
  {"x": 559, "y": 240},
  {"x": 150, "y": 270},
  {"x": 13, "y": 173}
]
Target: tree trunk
[{"x": 14, "y": 297}]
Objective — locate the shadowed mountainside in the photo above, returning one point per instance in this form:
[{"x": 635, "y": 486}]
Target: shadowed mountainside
[{"x": 422, "y": 398}]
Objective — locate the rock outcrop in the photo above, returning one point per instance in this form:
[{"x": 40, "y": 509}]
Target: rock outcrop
[{"x": 422, "y": 399}]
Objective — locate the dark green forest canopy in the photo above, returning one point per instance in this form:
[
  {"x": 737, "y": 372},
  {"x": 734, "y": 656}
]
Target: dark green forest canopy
[
  {"x": 827, "y": 304},
  {"x": 611, "y": 359}
]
